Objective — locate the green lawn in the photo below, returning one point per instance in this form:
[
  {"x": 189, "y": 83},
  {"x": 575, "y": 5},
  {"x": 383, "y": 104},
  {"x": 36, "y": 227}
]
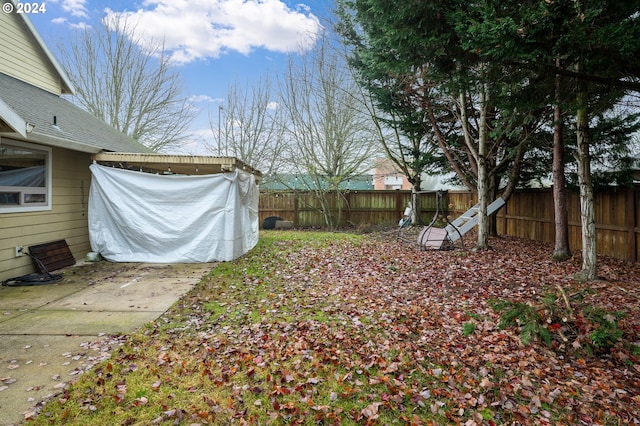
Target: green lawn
[{"x": 336, "y": 328}]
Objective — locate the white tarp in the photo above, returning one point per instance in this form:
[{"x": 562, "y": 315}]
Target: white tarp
[{"x": 142, "y": 217}]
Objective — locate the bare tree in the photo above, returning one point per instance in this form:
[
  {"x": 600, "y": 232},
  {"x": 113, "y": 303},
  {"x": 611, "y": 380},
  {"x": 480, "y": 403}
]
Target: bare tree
[
  {"x": 331, "y": 136},
  {"x": 249, "y": 127},
  {"x": 128, "y": 84}
]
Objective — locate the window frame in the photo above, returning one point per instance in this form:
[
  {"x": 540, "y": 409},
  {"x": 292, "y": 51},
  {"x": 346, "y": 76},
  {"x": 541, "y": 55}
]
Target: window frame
[{"x": 30, "y": 207}]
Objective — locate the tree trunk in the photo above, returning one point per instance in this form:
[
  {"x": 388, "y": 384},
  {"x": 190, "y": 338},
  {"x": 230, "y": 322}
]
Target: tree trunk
[
  {"x": 483, "y": 178},
  {"x": 416, "y": 181},
  {"x": 415, "y": 213},
  {"x": 561, "y": 250},
  {"x": 587, "y": 208},
  {"x": 325, "y": 208}
]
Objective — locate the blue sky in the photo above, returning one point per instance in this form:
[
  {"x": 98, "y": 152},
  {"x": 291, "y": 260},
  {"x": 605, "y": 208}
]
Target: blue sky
[{"x": 213, "y": 42}]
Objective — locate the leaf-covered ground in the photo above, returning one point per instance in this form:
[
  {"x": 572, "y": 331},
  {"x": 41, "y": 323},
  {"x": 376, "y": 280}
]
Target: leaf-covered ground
[{"x": 319, "y": 328}]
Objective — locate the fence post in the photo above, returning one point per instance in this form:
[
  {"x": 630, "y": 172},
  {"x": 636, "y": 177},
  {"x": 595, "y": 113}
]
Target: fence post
[
  {"x": 347, "y": 208},
  {"x": 631, "y": 224},
  {"x": 295, "y": 208},
  {"x": 399, "y": 206}
]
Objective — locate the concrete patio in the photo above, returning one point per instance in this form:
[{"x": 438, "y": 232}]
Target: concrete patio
[{"x": 51, "y": 333}]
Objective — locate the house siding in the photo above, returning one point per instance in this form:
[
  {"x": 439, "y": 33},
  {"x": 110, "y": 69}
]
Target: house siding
[
  {"x": 22, "y": 58},
  {"x": 67, "y": 220}
]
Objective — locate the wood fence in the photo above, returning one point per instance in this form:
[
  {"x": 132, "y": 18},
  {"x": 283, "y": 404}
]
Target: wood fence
[{"x": 528, "y": 214}]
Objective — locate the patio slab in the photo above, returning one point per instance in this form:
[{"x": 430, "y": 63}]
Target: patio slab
[
  {"x": 50, "y": 334},
  {"x": 75, "y": 323},
  {"x": 123, "y": 295}
]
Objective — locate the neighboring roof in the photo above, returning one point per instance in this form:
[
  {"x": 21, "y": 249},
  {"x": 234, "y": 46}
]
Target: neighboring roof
[
  {"x": 174, "y": 164},
  {"x": 384, "y": 166},
  {"x": 283, "y": 182},
  {"x": 54, "y": 121}
]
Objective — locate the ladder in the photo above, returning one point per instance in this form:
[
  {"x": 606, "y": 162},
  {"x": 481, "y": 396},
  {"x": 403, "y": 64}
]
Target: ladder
[{"x": 469, "y": 219}]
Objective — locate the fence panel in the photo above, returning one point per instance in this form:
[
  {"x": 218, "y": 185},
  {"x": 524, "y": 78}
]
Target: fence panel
[
  {"x": 354, "y": 207},
  {"x": 528, "y": 214},
  {"x": 376, "y": 207}
]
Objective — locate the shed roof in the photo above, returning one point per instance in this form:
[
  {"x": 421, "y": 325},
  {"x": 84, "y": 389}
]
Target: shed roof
[{"x": 174, "y": 164}]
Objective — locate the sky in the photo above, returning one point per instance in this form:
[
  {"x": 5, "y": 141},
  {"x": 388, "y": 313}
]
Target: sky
[{"x": 212, "y": 43}]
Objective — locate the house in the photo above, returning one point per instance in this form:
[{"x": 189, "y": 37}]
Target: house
[
  {"x": 387, "y": 176},
  {"x": 47, "y": 145},
  {"x": 300, "y": 182}
]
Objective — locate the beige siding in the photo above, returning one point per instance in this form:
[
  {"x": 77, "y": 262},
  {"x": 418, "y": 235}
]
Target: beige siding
[
  {"x": 21, "y": 56},
  {"x": 67, "y": 219}
]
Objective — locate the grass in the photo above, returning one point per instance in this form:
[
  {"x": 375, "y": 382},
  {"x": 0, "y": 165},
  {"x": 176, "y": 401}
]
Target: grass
[
  {"x": 274, "y": 338},
  {"x": 166, "y": 370}
]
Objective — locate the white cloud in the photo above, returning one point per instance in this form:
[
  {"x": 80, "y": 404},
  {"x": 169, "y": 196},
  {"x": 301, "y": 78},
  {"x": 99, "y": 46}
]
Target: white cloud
[
  {"x": 203, "y": 98},
  {"x": 80, "y": 26},
  {"x": 197, "y": 29},
  {"x": 75, "y": 7},
  {"x": 75, "y": 25}
]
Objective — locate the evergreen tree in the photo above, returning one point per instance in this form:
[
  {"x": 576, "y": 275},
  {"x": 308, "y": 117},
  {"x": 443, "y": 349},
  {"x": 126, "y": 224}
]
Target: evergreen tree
[{"x": 493, "y": 53}]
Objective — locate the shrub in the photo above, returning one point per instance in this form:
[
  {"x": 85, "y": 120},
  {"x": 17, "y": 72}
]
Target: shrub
[
  {"x": 562, "y": 322},
  {"x": 531, "y": 322}
]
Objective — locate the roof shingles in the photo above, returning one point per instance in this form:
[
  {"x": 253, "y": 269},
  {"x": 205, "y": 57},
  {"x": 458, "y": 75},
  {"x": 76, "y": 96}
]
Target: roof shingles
[{"x": 58, "y": 122}]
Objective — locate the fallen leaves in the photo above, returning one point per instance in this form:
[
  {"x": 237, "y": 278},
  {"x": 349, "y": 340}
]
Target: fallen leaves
[
  {"x": 370, "y": 331},
  {"x": 370, "y": 412}
]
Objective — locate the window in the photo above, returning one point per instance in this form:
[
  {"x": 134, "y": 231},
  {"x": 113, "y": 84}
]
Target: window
[{"x": 25, "y": 177}]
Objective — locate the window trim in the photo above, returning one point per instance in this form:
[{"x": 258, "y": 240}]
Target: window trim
[{"x": 47, "y": 206}]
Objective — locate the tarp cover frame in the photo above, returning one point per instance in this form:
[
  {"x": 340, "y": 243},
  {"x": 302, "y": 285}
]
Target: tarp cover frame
[
  {"x": 143, "y": 217},
  {"x": 174, "y": 164}
]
